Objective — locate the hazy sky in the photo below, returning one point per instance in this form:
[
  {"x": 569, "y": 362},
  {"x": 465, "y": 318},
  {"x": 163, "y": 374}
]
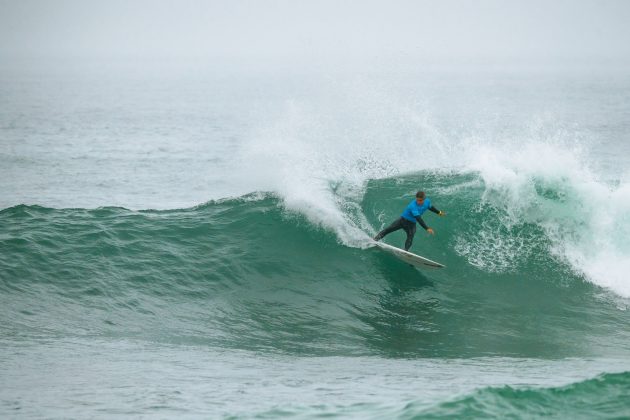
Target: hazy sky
[{"x": 439, "y": 29}]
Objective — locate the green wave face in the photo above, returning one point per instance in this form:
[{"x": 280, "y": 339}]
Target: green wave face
[
  {"x": 248, "y": 274},
  {"x": 605, "y": 396}
]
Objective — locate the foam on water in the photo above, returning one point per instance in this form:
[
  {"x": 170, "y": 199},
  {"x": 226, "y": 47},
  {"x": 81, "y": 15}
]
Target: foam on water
[
  {"x": 603, "y": 251},
  {"x": 549, "y": 184}
]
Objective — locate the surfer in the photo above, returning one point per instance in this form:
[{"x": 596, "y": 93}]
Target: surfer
[{"x": 411, "y": 215}]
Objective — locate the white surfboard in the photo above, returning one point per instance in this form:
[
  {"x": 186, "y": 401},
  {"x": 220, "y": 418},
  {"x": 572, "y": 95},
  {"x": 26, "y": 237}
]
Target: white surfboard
[{"x": 408, "y": 257}]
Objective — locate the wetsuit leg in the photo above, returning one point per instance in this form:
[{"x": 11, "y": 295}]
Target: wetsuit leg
[
  {"x": 389, "y": 229},
  {"x": 410, "y": 230}
]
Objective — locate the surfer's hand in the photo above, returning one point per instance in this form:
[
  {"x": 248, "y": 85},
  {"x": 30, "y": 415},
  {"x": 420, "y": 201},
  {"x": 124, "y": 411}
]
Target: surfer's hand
[
  {"x": 431, "y": 231},
  {"x": 441, "y": 213}
]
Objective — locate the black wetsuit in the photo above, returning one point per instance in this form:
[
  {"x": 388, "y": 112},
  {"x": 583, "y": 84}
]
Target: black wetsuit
[{"x": 407, "y": 225}]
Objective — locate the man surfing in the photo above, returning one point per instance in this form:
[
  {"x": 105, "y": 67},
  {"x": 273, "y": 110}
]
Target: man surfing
[{"x": 411, "y": 215}]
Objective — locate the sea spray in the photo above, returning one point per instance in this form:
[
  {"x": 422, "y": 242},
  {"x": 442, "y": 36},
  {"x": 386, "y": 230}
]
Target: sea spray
[
  {"x": 319, "y": 152},
  {"x": 319, "y": 156},
  {"x": 553, "y": 187}
]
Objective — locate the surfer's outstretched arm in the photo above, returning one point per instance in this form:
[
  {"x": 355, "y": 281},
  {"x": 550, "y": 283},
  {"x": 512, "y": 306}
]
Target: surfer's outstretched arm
[{"x": 436, "y": 211}]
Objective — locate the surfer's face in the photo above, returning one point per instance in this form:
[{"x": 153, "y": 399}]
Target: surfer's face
[{"x": 420, "y": 201}]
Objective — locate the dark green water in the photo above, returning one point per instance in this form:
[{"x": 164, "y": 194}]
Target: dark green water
[{"x": 246, "y": 276}]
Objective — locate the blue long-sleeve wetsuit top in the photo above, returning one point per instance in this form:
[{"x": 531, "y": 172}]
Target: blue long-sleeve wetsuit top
[{"x": 414, "y": 212}]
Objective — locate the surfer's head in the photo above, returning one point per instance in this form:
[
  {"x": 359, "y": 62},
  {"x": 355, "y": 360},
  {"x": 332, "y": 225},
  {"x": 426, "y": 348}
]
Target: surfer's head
[{"x": 420, "y": 196}]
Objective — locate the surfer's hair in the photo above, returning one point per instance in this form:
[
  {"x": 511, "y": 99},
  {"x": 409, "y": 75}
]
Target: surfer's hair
[{"x": 420, "y": 194}]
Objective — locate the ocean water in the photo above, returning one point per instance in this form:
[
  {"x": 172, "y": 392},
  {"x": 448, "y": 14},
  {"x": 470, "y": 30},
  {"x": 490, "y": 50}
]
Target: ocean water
[{"x": 192, "y": 241}]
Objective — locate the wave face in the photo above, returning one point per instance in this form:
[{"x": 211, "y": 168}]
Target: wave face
[
  {"x": 254, "y": 274},
  {"x": 605, "y": 396}
]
